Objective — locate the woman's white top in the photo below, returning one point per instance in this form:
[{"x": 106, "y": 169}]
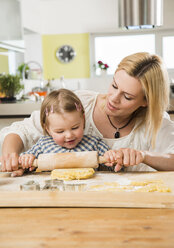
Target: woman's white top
[{"x": 30, "y": 131}]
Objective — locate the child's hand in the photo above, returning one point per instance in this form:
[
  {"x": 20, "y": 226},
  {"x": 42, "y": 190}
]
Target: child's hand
[{"x": 26, "y": 161}]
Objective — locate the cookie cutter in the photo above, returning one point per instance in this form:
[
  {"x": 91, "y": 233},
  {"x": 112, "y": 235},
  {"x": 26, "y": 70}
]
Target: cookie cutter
[
  {"x": 74, "y": 187},
  {"x": 30, "y": 185},
  {"x": 53, "y": 184}
]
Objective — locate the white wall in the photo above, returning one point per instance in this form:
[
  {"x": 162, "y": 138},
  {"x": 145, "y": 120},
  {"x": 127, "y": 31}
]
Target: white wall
[
  {"x": 78, "y": 16},
  {"x": 31, "y": 14},
  {"x": 10, "y": 20},
  {"x": 33, "y": 43}
]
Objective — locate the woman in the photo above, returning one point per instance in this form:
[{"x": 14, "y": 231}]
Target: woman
[{"x": 131, "y": 118}]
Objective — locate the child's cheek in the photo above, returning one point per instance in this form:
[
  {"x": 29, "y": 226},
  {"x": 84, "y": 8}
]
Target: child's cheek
[{"x": 58, "y": 139}]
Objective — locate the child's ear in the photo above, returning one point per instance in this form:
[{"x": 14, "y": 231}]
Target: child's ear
[
  {"x": 46, "y": 129},
  {"x": 84, "y": 120}
]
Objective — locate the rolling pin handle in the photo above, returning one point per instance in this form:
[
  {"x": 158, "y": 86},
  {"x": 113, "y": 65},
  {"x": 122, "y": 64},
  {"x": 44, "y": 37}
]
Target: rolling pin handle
[{"x": 35, "y": 164}]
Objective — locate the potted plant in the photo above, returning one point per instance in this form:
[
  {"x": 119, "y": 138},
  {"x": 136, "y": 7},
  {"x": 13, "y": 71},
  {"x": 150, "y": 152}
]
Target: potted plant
[
  {"x": 101, "y": 68},
  {"x": 102, "y": 65},
  {"x": 10, "y": 86}
]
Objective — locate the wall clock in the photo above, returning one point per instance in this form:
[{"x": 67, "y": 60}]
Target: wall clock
[{"x": 65, "y": 54}]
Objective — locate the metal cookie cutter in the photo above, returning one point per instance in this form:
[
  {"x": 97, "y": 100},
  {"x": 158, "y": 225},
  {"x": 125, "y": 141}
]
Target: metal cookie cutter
[
  {"x": 74, "y": 186},
  {"x": 53, "y": 184},
  {"x": 30, "y": 185}
]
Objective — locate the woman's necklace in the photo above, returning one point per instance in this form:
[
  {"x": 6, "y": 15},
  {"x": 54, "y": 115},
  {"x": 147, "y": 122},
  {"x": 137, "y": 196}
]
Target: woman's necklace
[{"x": 117, "y": 134}]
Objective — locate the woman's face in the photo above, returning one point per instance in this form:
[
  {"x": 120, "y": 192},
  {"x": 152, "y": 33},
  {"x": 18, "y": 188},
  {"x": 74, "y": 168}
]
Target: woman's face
[
  {"x": 66, "y": 129},
  {"x": 125, "y": 95}
]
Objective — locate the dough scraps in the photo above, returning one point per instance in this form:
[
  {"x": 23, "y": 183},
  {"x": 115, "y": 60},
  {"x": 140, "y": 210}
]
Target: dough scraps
[
  {"x": 72, "y": 174},
  {"x": 136, "y": 186}
]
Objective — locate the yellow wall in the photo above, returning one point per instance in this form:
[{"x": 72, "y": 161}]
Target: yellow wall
[
  {"x": 78, "y": 68},
  {"x": 3, "y": 62}
]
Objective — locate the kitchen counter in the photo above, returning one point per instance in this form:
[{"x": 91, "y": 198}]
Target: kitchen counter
[
  {"x": 20, "y": 108},
  {"x": 11, "y": 112},
  {"x": 25, "y": 108},
  {"x": 86, "y": 227}
]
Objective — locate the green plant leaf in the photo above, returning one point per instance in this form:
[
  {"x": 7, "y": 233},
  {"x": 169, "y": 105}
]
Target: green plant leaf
[{"x": 10, "y": 85}]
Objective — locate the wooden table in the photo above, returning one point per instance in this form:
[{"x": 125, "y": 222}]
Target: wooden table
[
  {"x": 11, "y": 196},
  {"x": 42, "y": 219},
  {"x": 86, "y": 227}
]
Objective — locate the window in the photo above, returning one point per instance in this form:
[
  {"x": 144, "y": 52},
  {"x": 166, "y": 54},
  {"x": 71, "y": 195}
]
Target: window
[
  {"x": 168, "y": 51},
  {"x": 112, "y": 49}
]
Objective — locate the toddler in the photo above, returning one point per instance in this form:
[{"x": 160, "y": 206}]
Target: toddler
[{"x": 62, "y": 118}]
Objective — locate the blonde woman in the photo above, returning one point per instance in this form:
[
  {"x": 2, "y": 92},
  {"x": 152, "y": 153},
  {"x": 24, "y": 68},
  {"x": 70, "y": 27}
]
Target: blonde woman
[{"x": 131, "y": 118}]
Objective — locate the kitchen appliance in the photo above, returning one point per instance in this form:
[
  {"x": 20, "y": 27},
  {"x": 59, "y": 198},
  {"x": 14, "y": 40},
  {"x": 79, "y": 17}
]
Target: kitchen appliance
[{"x": 137, "y": 14}]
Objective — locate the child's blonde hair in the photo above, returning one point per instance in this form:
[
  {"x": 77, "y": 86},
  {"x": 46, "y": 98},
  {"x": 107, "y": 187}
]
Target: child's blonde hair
[{"x": 59, "y": 101}]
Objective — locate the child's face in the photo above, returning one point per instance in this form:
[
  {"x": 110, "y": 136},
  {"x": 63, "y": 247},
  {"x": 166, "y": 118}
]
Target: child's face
[{"x": 66, "y": 129}]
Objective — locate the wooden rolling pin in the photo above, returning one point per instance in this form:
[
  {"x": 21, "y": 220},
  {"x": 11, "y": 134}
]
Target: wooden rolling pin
[{"x": 51, "y": 161}]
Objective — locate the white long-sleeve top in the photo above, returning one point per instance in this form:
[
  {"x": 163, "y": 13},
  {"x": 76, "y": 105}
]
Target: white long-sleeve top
[{"x": 30, "y": 131}]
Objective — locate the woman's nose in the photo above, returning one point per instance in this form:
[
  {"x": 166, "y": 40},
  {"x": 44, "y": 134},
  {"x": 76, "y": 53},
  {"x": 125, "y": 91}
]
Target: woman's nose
[{"x": 115, "y": 97}]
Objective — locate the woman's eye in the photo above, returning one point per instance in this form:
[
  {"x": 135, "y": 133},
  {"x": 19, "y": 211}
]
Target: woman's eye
[
  {"x": 114, "y": 86},
  {"x": 127, "y": 98}
]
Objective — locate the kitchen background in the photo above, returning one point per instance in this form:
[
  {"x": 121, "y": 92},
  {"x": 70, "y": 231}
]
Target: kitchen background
[{"x": 32, "y": 31}]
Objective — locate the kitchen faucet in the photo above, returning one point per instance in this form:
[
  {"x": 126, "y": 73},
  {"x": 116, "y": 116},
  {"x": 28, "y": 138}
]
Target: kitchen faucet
[{"x": 37, "y": 69}]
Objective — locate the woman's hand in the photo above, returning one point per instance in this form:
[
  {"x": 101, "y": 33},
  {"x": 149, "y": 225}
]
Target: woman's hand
[
  {"x": 26, "y": 161},
  {"x": 113, "y": 158},
  {"x": 124, "y": 157},
  {"x": 10, "y": 163},
  {"x": 11, "y": 147}
]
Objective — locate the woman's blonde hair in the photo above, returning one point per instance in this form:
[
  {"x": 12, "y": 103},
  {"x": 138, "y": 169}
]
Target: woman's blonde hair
[
  {"x": 151, "y": 73},
  {"x": 59, "y": 101}
]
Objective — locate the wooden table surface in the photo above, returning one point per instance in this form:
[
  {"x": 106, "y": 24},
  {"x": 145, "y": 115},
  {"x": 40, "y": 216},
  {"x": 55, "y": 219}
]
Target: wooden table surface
[
  {"x": 12, "y": 196},
  {"x": 86, "y": 227}
]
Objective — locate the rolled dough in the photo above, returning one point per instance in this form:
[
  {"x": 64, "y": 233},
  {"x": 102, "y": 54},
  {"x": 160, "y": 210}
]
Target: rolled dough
[{"x": 72, "y": 174}]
